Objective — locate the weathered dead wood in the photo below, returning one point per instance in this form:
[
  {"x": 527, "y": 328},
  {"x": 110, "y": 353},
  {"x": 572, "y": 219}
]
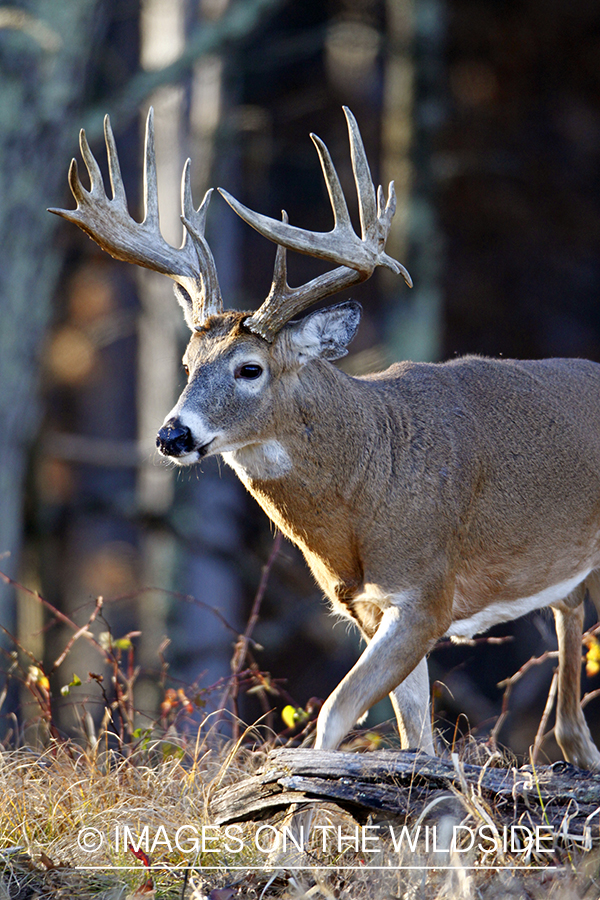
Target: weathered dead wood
[{"x": 396, "y": 783}]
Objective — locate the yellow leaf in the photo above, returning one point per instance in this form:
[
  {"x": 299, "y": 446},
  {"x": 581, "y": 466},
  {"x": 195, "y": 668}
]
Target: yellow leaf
[
  {"x": 288, "y": 714},
  {"x": 592, "y": 658},
  {"x": 293, "y": 716}
]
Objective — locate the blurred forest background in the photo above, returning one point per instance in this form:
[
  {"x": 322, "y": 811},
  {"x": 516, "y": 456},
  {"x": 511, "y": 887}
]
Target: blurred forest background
[{"x": 486, "y": 113}]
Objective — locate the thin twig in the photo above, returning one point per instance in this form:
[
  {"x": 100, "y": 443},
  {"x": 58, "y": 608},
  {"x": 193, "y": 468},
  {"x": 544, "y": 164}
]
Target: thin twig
[
  {"x": 473, "y": 642},
  {"x": 540, "y": 734},
  {"x": 175, "y": 595},
  {"x": 81, "y": 632},
  {"x": 532, "y": 661},
  {"x": 591, "y": 695},
  {"x": 60, "y": 616},
  {"x": 508, "y": 684},
  {"x": 241, "y": 648}
]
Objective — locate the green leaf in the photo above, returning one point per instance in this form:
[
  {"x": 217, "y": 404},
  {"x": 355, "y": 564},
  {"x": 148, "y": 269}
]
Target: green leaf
[{"x": 122, "y": 644}]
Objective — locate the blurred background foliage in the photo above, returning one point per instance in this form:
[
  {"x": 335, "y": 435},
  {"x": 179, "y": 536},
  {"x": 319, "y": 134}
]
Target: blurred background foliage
[{"x": 486, "y": 113}]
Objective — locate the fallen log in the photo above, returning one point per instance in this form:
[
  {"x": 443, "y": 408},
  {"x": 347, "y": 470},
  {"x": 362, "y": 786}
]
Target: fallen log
[{"x": 392, "y": 784}]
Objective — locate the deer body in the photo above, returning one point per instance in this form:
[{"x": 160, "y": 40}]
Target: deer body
[
  {"x": 451, "y": 495},
  {"x": 443, "y": 463},
  {"x": 428, "y": 500}
]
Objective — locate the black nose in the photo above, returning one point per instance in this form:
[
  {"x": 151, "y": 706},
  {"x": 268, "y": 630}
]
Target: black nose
[{"x": 174, "y": 439}]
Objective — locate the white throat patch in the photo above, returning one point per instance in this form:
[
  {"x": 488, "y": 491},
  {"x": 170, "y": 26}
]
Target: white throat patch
[{"x": 262, "y": 461}]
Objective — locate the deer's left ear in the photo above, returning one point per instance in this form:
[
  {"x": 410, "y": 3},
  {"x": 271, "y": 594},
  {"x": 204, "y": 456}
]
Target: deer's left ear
[{"x": 325, "y": 333}]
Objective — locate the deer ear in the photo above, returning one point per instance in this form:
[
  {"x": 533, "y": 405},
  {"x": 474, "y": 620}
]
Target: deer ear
[
  {"x": 185, "y": 301},
  {"x": 325, "y": 333}
]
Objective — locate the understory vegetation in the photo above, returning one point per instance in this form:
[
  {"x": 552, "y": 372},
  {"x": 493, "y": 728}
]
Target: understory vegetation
[{"x": 122, "y": 808}]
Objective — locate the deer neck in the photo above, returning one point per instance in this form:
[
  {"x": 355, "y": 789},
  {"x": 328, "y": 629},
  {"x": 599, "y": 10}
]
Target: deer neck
[{"x": 318, "y": 485}]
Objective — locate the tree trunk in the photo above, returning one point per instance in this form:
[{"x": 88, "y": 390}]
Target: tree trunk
[{"x": 43, "y": 57}]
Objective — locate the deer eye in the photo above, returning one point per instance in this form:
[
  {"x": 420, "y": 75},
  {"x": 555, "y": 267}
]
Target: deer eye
[{"x": 249, "y": 371}]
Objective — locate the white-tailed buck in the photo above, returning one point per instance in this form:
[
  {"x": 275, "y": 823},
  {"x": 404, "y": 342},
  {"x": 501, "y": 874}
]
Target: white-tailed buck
[{"x": 429, "y": 499}]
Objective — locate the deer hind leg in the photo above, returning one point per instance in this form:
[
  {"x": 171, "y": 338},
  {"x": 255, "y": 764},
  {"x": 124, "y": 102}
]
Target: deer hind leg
[
  {"x": 571, "y": 730},
  {"x": 398, "y": 646},
  {"x": 411, "y": 702}
]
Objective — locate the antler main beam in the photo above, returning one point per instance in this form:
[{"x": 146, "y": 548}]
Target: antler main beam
[
  {"x": 358, "y": 256},
  {"x": 108, "y": 222}
]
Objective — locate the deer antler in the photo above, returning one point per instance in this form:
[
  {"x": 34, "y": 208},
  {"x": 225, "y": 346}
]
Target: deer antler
[
  {"x": 108, "y": 222},
  {"x": 358, "y": 256}
]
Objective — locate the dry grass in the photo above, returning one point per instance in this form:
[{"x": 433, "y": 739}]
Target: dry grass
[
  {"x": 121, "y": 814},
  {"x": 70, "y": 816}
]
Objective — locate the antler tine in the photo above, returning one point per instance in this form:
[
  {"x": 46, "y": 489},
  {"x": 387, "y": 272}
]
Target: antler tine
[
  {"x": 341, "y": 216},
  {"x": 108, "y": 222},
  {"x": 151, "y": 217},
  {"x": 375, "y": 215},
  {"x": 114, "y": 166},
  {"x": 194, "y": 221},
  {"x": 279, "y": 284},
  {"x": 96, "y": 182},
  {"x": 358, "y": 256},
  {"x": 365, "y": 189}
]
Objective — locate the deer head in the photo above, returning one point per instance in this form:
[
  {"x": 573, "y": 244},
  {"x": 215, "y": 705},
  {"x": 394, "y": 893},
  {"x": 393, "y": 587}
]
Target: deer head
[{"x": 238, "y": 363}]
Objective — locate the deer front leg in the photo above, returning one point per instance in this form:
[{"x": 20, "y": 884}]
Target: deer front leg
[
  {"x": 571, "y": 730},
  {"x": 396, "y": 649}
]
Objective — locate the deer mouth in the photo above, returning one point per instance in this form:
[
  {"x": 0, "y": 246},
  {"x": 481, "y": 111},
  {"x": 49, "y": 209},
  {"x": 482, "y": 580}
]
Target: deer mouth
[
  {"x": 204, "y": 449},
  {"x": 194, "y": 455},
  {"x": 189, "y": 458}
]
